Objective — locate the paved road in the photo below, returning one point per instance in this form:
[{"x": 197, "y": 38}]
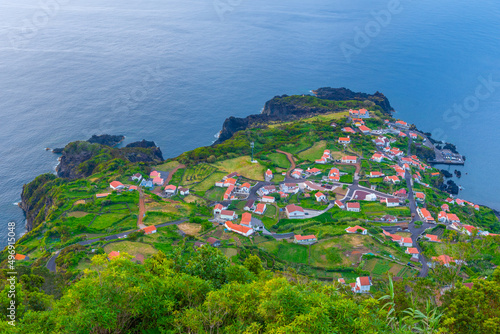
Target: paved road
[{"x": 51, "y": 264}]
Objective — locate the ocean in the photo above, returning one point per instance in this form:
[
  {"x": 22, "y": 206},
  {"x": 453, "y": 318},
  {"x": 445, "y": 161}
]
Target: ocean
[{"x": 171, "y": 71}]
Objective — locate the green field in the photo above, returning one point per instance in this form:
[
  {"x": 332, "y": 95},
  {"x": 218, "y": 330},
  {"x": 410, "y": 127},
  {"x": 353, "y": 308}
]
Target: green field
[
  {"x": 243, "y": 166},
  {"x": 209, "y": 182},
  {"x": 105, "y": 221},
  {"x": 197, "y": 173},
  {"x": 279, "y": 160},
  {"x": 215, "y": 194}
]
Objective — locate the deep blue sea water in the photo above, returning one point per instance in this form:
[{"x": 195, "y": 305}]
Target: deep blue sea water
[{"x": 171, "y": 71}]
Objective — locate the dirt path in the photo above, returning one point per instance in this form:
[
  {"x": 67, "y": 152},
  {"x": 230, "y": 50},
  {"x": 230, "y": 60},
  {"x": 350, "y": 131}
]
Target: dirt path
[
  {"x": 171, "y": 174},
  {"x": 290, "y": 158},
  {"x": 142, "y": 210}
]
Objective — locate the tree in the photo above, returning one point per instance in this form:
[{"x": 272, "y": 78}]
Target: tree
[
  {"x": 253, "y": 264},
  {"x": 209, "y": 264}
]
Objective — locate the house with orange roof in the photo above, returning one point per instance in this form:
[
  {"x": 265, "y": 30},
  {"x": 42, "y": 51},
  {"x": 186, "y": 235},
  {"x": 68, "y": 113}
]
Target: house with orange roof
[
  {"x": 345, "y": 140},
  {"x": 460, "y": 202},
  {"x": 348, "y": 129},
  {"x": 364, "y": 129},
  {"x": 401, "y": 124},
  {"x": 425, "y": 215},
  {"x": 392, "y": 179},
  {"x": 452, "y": 218},
  {"x": 218, "y": 208},
  {"x": 268, "y": 175},
  {"x": 339, "y": 204},
  {"x": 350, "y": 159},
  {"x": 320, "y": 197},
  {"x": 261, "y": 208},
  {"x": 267, "y": 199},
  {"x": 294, "y": 211},
  {"x": 341, "y": 280},
  {"x": 229, "y": 182},
  {"x": 432, "y": 238},
  {"x": 132, "y": 188},
  {"x": 312, "y": 171},
  {"x": 334, "y": 175},
  {"x": 377, "y": 157},
  {"x": 402, "y": 134},
  {"x": 413, "y": 252},
  {"x": 450, "y": 200},
  {"x": 376, "y": 174},
  {"x": 115, "y": 185},
  {"x": 154, "y": 174},
  {"x": 304, "y": 239},
  {"x": 445, "y": 207},
  {"x": 406, "y": 242},
  {"x": 362, "y": 285},
  {"x": 102, "y": 195},
  {"x": 476, "y": 207},
  {"x": 149, "y": 229},
  {"x": 357, "y": 229},
  {"x": 468, "y": 229},
  {"x": 413, "y": 135},
  {"x": 444, "y": 260},
  {"x": 297, "y": 173},
  {"x": 114, "y": 254},
  {"x": 228, "y": 215},
  {"x": 245, "y": 187},
  {"x": 170, "y": 189},
  {"x": 353, "y": 206},
  {"x": 228, "y": 193},
  {"x": 240, "y": 229},
  {"x": 158, "y": 181},
  {"x": 20, "y": 257},
  {"x": 442, "y": 217},
  {"x": 420, "y": 196}
]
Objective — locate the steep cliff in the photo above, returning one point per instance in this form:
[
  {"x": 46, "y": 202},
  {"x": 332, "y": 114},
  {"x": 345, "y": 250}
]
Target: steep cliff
[{"x": 288, "y": 108}]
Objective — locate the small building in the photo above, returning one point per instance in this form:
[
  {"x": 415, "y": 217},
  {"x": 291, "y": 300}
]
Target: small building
[
  {"x": 420, "y": 196},
  {"x": 452, "y": 218},
  {"x": 218, "y": 208},
  {"x": 425, "y": 215},
  {"x": 170, "y": 189},
  {"x": 345, "y": 140},
  {"x": 364, "y": 129},
  {"x": 350, "y": 159},
  {"x": 406, "y": 242},
  {"x": 413, "y": 252},
  {"x": 320, "y": 197},
  {"x": 294, "y": 211},
  {"x": 228, "y": 215},
  {"x": 268, "y": 199},
  {"x": 357, "y": 229},
  {"x": 377, "y": 157},
  {"x": 231, "y": 176},
  {"x": 132, "y": 188},
  {"x": 137, "y": 177},
  {"x": 312, "y": 171},
  {"x": 158, "y": 181},
  {"x": 362, "y": 285},
  {"x": 442, "y": 217},
  {"x": 389, "y": 219},
  {"x": 304, "y": 239},
  {"x": 115, "y": 185},
  {"x": 297, "y": 173},
  {"x": 353, "y": 207},
  {"x": 445, "y": 207},
  {"x": 392, "y": 202},
  {"x": 341, "y": 280},
  {"x": 213, "y": 242},
  {"x": 249, "y": 205},
  {"x": 261, "y": 208},
  {"x": 339, "y": 204},
  {"x": 432, "y": 238},
  {"x": 183, "y": 191},
  {"x": 245, "y": 187},
  {"x": 392, "y": 179},
  {"x": 376, "y": 174},
  {"x": 20, "y": 257},
  {"x": 240, "y": 229},
  {"x": 268, "y": 175},
  {"x": 154, "y": 174},
  {"x": 102, "y": 195},
  {"x": 149, "y": 229}
]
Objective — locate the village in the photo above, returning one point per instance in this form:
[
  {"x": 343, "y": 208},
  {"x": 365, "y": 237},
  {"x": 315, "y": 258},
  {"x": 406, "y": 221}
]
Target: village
[{"x": 363, "y": 200}]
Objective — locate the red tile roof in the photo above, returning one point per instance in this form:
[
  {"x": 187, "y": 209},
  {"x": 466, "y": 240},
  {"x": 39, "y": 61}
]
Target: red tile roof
[
  {"x": 115, "y": 184},
  {"x": 353, "y": 205},
  {"x": 412, "y": 250},
  {"x": 364, "y": 281},
  {"x": 355, "y": 229},
  {"x": 149, "y": 229},
  {"x": 304, "y": 237},
  {"x": 246, "y": 218},
  {"x": 237, "y": 227},
  {"x": 113, "y": 254}
]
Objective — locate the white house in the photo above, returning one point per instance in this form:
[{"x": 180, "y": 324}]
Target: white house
[
  {"x": 339, "y": 204},
  {"x": 115, "y": 185},
  {"x": 413, "y": 252},
  {"x": 320, "y": 197},
  {"x": 170, "y": 189},
  {"x": 297, "y": 173},
  {"x": 357, "y": 229},
  {"x": 245, "y": 188},
  {"x": 240, "y": 229},
  {"x": 353, "y": 206},
  {"x": 218, "y": 208},
  {"x": 294, "y": 211},
  {"x": 304, "y": 239},
  {"x": 391, "y": 202},
  {"x": 349, "y": 159},
  {"x": 183, "y": 191},
  {"x": 406, "y": 242},
  {"x": 268, "y": 176},
  {"x": 362, "y": 285},
  {"x": 267, "y": 199},
  {"x": 261, "y": 209},
  {"x": 137, "y": 177},
  {"x": 228, "y": 215}
]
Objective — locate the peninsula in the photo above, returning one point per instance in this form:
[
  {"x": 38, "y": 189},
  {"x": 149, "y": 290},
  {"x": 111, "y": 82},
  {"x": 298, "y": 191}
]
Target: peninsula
[{"x": 324, "y": 201}]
